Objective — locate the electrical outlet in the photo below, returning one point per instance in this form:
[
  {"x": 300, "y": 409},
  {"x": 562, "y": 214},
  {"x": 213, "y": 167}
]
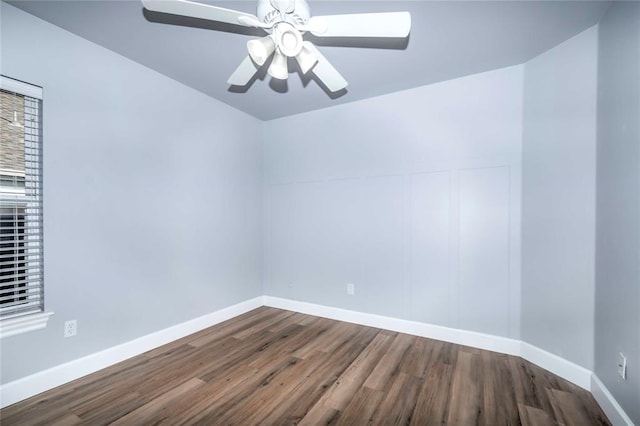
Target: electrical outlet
[
  {"x": 622, "y": 366},
  {"x": 351, "y": 289},
  {"x": 70, "y": 328}
]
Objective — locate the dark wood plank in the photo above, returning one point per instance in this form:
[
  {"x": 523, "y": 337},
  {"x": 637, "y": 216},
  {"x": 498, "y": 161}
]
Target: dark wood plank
[
  {"x": 143, "y": 413},
  {"x": 361, "y": 407},
  {"x": 531, "y": 416},
  {"x": 432, "y": 405},
  {"x": 398, "y": 403},
  {"x": 418, "y": 358},
  {"x": 466, "y": 391},
  {"x": 387, "y": 368},
  {"x": 319, "y": 415},
  {"x": 500, "y": 407},
  {"x": 109, "y": 406},
  {"x": 338, "y": 395}
]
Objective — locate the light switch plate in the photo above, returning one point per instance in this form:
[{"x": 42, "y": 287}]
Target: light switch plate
[{"x": 622, "y": 366}]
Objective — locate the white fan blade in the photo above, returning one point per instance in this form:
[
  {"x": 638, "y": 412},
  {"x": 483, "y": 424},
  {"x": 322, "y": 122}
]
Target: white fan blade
[
  {"x": 243, "y": 74},
  {"x": 202, "y": 11},
  {"x": 392, "y": 24},
  {"x": 325, "y": 72}
]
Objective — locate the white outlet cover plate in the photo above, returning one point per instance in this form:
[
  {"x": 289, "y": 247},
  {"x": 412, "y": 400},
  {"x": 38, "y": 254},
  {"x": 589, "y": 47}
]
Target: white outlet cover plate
[
  {"x": 70, "y": 328},
  {"x": 351, "y": 289}
]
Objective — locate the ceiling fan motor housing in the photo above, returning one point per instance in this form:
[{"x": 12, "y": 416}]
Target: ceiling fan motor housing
[{"x": 268, "y": 14}]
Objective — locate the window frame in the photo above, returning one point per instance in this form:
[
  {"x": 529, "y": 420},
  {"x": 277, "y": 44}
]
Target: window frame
[{"x": 21, "y": 322}]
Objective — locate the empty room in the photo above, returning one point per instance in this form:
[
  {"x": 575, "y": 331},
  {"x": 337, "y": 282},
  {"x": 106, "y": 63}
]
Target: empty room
[{"x": 319, "y": 212}]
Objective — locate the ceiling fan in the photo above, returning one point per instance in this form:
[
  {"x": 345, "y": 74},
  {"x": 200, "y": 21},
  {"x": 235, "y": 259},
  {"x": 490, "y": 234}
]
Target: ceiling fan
[{"x": 285, "y": 22}]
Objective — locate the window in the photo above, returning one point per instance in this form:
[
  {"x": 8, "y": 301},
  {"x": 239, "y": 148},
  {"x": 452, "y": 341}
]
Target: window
[{"x": 21, "y": 250}]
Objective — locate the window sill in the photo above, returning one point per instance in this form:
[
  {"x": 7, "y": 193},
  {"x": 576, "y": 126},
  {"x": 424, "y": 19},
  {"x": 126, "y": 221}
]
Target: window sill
[{"x": 24, "y": 323}]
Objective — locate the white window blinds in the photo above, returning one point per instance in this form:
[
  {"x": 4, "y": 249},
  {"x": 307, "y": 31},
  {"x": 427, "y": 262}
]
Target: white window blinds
[{"x": 21, "y": 250}]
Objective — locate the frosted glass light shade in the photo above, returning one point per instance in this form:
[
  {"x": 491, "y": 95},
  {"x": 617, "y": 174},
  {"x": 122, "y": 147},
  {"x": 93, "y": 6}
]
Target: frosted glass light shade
[
  {"x": 289, "y": 39},
  {"x": 260, "y": 49},
  {"x": 278, "y": 68},
  {"x": 306, "y": 59}
]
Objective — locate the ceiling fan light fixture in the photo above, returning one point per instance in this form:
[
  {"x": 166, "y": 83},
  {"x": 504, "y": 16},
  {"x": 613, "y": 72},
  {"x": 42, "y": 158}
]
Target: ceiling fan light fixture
[
  {"x": 286, "y": 21},
  {"x": 306, "y": 60},
  {"x": 260, "y": 49},
  {"x": 289, "y": 39},
  {"x": 278, "y": 68}
]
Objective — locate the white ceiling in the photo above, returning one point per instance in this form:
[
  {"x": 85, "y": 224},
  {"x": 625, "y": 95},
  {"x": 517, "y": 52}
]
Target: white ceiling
[{"x": 448, "y": 39}]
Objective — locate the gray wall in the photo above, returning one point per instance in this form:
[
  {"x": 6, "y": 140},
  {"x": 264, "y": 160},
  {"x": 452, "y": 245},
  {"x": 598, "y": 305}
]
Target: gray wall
[
  {"x": 618, "y": 204},
  {"x": 558, "y": 199},
  {"x": 151, "y": 197},
  {"x": 414, "y": 197}
]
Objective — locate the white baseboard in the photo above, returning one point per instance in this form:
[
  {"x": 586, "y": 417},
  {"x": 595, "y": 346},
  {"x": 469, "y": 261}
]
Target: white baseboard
[
  {"x": 557, "y": 365},
  {"x": 607, "y": 402},
  {"x": 563, "y": 368},
  {"x": 461, "y": 337},
  {"x": 34, "y": 384}
]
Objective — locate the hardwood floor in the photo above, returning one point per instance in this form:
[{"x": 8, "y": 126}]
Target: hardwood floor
[{"x": 274, "y": 367}]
